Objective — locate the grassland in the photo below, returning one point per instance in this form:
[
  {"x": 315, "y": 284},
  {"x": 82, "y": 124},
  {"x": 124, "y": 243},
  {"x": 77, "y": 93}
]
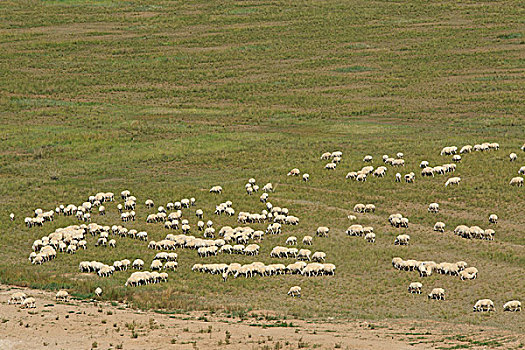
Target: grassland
[{"x": 169, "y": 98}]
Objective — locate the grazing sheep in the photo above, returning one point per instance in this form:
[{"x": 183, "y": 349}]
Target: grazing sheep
[
  {"x": 295, "y": 291},
  {"x": 370, "y": 237},
  {"x": 493, "y": 218},
  {"x": 415, "y": 288},
  {"x": 268, "y": 187},
  {"x": 398, "y": 177},
  {"x": 449, "y": 150},
  {"x": 98, "y": 292},
  {"x": 293, "y": 172},
  {"x": 319, "y": 256},
  {"x": 62, "y": 295},
  {"x": 355, "y": 230},
  {"x": 138, "y": 264},
  {"x": 513, "y": 306},
  {"x": 433, "y": 207},
  {"x": 352, "y": 217},
  {"x": 402, "y": 240},
  {"x": 304, "y": 254},
  {"x": 398, "y": 162},
  {"x": 216, "y": 189},
  {"x": 456, "y": 158},
  {"x": 484, "y": 305},
  {"x": 466, "y": 149},
  {"x": 359, "y": 208},
  {"x": 453, "y": 181},
  {"x": 326, "y": 155},
  {"x": 437, "y": 293},
  {"x": 292, "y": 240},
  {"x": 513, "y": 157},
  {"x": 17, "y": 298},
  {"x": 101, "y": 210},
  {"x": 330, "y": 166},
  {"x": 112, "y": 243},
  {"x": 306, "y": 177},
  {"x": 516, "y": 181},
  {"x": 322, "y": 231},
  {"x": 423, "y": 164},
  {"x": 307, "y": 240},
  {"x": 12, "y": 217},
  {"x": 520, "y": 172},
  {"x": 28, "y": 303},
  {"x": 439, "y": 226},
  {"x": 370, "y": 208},
  {"x": 367, "y": 159}
]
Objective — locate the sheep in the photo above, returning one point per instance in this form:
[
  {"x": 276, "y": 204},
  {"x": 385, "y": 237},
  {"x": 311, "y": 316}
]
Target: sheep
[
  {"x": 398, "y": 162},
  {"x": 351, "y": 175},
  {"x": 437, "y": 293},
  {"x": 370, "y": 208},
  {"x": 292, "y": 240},
  {"x": 330, "y": 166},
  {"x": 268, "y": 187},
  {"x": 513, "y": 306},
  {"x": 326, "y": 155},
  {"x": 516, "y": 181},
  {"x": 359, "y": 208},
  {"x": 433, "y": 208},
  {"x": 423, "y": 164},
  {"x": 295, "y": 291},
  {"x": 322, "y": 231},
  {"x": 101, "y": 210},
  {"x": 456, "y": 158},
  {"x": 402, "y": 240},
  {"x": 62, "y": 295},
  {"x": 28, "y": 303},
  {"x": 493, "y": 219},
  {"x": 398, "y": 177},
  {"x": 453, "y": 181},
  {"x": 367, "y": 159},
  {"x": 17, "y": 298},
  {"x": 355, "y": 230},
  {"x": 449, "y": 150},
  {"x": 216, "y": 189},
  {"x": 439, "y": 226},
  {"x": 352, "y": 217},
  {"x": 513, "y": 157},
  {"x": 12, "y": 217},
  {"x": 428, "y": 171},
  {"x": 98, "y": 292},
  {"x": 138, "y": 264},
  {"x": 466, "y": 149},
  {"x": 410, "y": 178},
  {"x": 521, "y": 171},
  {"x": 294, "y": 172},
  {"x": 319, "y": 256},
  {"x": 464, "y": 275},
  {"x": 370, "y": 237},
  {"x": 112, "y": 243},
  {"x": 307, "y": 240},
  {"x": 523, "y": 147},
  {"x": 415, "y": 288},
  {"x": 306, "y": 177},
  {"x": 304, "y": 254},
  {"x": 484, "y": 305}
]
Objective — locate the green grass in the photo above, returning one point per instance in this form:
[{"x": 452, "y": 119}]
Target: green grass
[{"x": 168, "y": 98}]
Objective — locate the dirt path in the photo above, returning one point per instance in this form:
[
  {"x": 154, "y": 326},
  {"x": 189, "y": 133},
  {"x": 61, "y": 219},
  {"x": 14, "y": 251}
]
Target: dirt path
[{"x": 102, "y": 325}]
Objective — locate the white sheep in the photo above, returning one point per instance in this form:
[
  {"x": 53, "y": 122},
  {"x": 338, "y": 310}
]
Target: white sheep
[
  {"x": 330, "y": 166},
  {"x": 17, "y": 298},
  {"x": 466, "y": 149},
  {"x": 367, "y": 159},
  {"x": 216, "y": 189},
  {"x": 513, "y": 157},
  {"x": 293, "y": 172},
  {"x": 304, "y": 254},
  {"x": 423, "y": 164},
  {"x": 326, "y": 155},
  {"x": 437, "y": 293},
  {"x": 319, "y": 256},
  {"x": 433, "y": 208},
  {"x": 28, "y": 303},
  {"x": 98, "y": 292},
  {"x": 292, "y": 240},
  {"x": 370, "y": 237},
  {"x": 370, "y": 208},
  {"x": 306, "y": 177},
  {"x": 513, "y": 306},
  {"x": 62, "y": 295},
  {"x": 322, "y": 231},
  {"x": 295, "y": 291},
  {"x": 112, "y": 243},
  {"x": 516, "y": 181},
  {"x": 453, "y": 181},
  {"x": 352, "y": 217},
  {"x": 307, "y": 240},
  {"x": 415, "y": 287},
  {"x": 521, "y": 171},
  {"x": 484, "y": 305},
  {"x": 402, "y": 240},
  {"x": 268, "y": 187},
  {"x": 493, "y": 218},
  {"x": 398, "y": 177},
  {"x": 12, "y": 217},
  {"x": 439, "y": 226}
]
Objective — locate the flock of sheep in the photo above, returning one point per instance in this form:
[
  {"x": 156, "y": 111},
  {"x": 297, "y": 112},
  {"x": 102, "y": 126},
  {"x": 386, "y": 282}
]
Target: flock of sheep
[{"x": 244, "y": 239}]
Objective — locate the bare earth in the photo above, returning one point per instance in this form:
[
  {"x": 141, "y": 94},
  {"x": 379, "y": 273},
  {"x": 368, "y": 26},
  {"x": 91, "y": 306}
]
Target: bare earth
[{"x": 102, "y": 325}]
